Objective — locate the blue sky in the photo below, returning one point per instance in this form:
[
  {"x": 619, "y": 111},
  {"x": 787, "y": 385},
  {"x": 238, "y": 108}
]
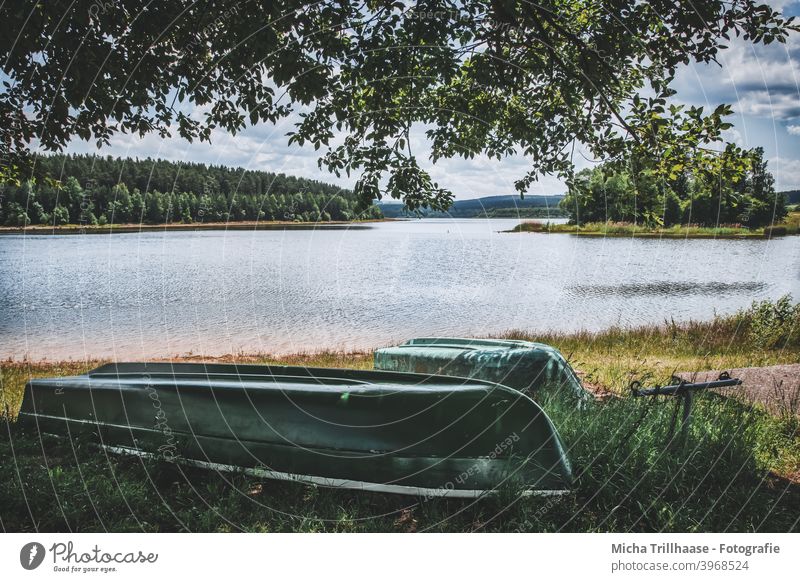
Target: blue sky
[{"x": 761, "y": 82}]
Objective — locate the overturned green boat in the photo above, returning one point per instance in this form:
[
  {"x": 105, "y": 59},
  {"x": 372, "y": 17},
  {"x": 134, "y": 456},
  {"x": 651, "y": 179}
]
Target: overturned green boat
[
  {"x": 526, "y": 366},
  {"x": 369, "y": 430}
]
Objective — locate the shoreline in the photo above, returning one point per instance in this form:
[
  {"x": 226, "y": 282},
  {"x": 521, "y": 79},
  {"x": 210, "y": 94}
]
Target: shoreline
[
  {"x": 76, "y": 229},
  {"x": 789, "y": 227},
  {"x": 597, "y": 234},
  {"x": 239, "y": 358},
  {"x": 670, "y": 234},
  {"x": 650, "y": 336}
]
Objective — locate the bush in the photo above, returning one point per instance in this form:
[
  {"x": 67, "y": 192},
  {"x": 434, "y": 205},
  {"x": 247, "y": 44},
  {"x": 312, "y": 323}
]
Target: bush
[
  {"x": 530, "y": 226},
  {"x": 773, "y": 325},
  {"x": 60, "y": 215},
  {"x": 772, "y": 231}
]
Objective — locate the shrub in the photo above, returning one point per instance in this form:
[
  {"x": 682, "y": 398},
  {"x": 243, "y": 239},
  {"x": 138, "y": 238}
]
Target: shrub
[
  {"x": 772, "y": 231},
  {"x": 774, "y": 325}
]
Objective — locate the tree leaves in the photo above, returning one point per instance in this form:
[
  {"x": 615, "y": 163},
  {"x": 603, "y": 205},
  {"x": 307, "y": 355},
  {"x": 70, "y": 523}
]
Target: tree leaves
[
  {"x": 733, "y": 187},
  {"x": 483, "y": 77}
]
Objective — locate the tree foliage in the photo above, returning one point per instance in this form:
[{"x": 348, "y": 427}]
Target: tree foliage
[
  {"x": 493, "y": 77},
  {"x": 91, "y": 190},
  {"x": 735, "y": 189}
]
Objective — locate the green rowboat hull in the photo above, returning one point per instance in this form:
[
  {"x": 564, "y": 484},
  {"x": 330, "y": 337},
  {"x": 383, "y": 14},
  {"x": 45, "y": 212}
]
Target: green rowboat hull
[
  {"x": 526, "y": 366},
  {"x": 381, "y": 431}
]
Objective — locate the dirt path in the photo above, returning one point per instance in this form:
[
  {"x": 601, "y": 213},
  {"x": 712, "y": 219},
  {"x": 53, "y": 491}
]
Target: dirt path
[{"x": 777, "y": 388}]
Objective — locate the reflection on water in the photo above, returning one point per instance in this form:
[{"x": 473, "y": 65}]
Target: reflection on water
[
  {"x": 717, "y": 288},
  {"x": 155, "y": 294}
]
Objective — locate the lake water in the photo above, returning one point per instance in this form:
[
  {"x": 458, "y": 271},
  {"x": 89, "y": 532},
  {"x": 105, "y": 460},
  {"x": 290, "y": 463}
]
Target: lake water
[{"x": 156, "y": 294}]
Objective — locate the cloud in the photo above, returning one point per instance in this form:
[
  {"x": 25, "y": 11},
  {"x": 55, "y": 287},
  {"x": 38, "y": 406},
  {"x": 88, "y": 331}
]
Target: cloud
[
  {"x": 786, "y": 172},
  {"x": 793, "y": 129},
  {"x": 778, "y": 106},
  {"x": 758, "y": 80}
]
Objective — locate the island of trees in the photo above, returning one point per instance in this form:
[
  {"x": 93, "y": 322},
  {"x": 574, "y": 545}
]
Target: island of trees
[
  {"x": 94, "y": 190},
  {"x": 736, "y": 191}
]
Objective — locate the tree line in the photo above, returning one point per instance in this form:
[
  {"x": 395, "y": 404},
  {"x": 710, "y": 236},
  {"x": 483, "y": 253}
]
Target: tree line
[
  {"x": 95, "y": 190},
  {"x": 735, "y": 189}
]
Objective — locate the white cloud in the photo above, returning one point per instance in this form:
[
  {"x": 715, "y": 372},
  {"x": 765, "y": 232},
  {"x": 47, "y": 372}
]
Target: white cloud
[
  {"x": 771, "y": 105},
  {"x": 781, "y": 4},
  {"x": 759, "y": 80},
  {"x": 793, "y": 129},
  {"x": 786, "y": 172}
]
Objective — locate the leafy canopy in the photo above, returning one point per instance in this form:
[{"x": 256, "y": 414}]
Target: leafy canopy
[{"x": 493, "y": 77}]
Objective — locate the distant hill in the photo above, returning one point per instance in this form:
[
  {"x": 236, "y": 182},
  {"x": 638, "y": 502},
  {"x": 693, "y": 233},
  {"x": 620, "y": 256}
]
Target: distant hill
[
  {"x": 792, "y": 196},
  {"x": 509, "y": 206}
]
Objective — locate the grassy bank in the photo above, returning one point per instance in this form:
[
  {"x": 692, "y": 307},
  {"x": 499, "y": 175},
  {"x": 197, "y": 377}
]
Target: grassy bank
[
  {"x": 791, "y": 226},
  {"x": 737, "y": 471}
]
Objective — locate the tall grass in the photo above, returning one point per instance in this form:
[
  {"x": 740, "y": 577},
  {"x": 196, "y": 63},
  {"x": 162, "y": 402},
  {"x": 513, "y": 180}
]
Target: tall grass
[
  {"x": 630, "y": 229},
  {"x": 637, "y": 471}
]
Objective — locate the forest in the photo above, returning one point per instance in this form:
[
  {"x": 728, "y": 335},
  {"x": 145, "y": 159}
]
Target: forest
[
  {"x": 96, "y": 190},
  {"x": 737, "y": 190}
]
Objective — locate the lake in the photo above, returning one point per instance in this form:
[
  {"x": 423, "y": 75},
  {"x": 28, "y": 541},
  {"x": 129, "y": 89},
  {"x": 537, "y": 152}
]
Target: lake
[{"x": 157, "y": 294}]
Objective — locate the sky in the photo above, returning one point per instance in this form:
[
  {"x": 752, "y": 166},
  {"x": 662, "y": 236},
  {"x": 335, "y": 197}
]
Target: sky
[{"x": 761, "y": 82}]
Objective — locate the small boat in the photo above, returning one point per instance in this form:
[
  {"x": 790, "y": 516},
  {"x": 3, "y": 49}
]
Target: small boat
[
  {"x": 368, "y": 430},
  {"x": 526, "y": 366}
]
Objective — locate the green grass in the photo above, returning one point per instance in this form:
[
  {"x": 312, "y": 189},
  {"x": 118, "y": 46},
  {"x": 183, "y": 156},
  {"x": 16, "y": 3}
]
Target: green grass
[
  {"x": 638, "y": 230},
  {"x": 737, "y": 470},
  {"x": 790, "y": 226}
]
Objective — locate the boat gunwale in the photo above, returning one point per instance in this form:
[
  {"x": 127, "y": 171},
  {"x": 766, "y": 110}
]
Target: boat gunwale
[
  {"x": 186, "y": 384},
  {"x": 470, "y": 344},
  {"x": 299, "y": 372},
  {"x": 338, "y": 483},
  {"x": 417, "y": 383}
]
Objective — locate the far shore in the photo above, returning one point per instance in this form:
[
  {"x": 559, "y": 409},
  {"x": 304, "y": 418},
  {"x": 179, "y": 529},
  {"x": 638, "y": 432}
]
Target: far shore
[{"x": 191, "y": 226}]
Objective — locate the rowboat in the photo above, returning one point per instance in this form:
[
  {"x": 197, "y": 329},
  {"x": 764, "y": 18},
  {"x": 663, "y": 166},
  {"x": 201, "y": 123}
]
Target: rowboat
[
  {"x": 529, "y": 367},
  {"x": 368, "y": 430}
]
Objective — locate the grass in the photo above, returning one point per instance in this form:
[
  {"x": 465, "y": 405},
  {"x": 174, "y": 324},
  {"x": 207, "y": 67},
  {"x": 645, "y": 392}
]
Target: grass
[
  {"x": 790, "y": 226},
  {"x": 736, "y": 471}
]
